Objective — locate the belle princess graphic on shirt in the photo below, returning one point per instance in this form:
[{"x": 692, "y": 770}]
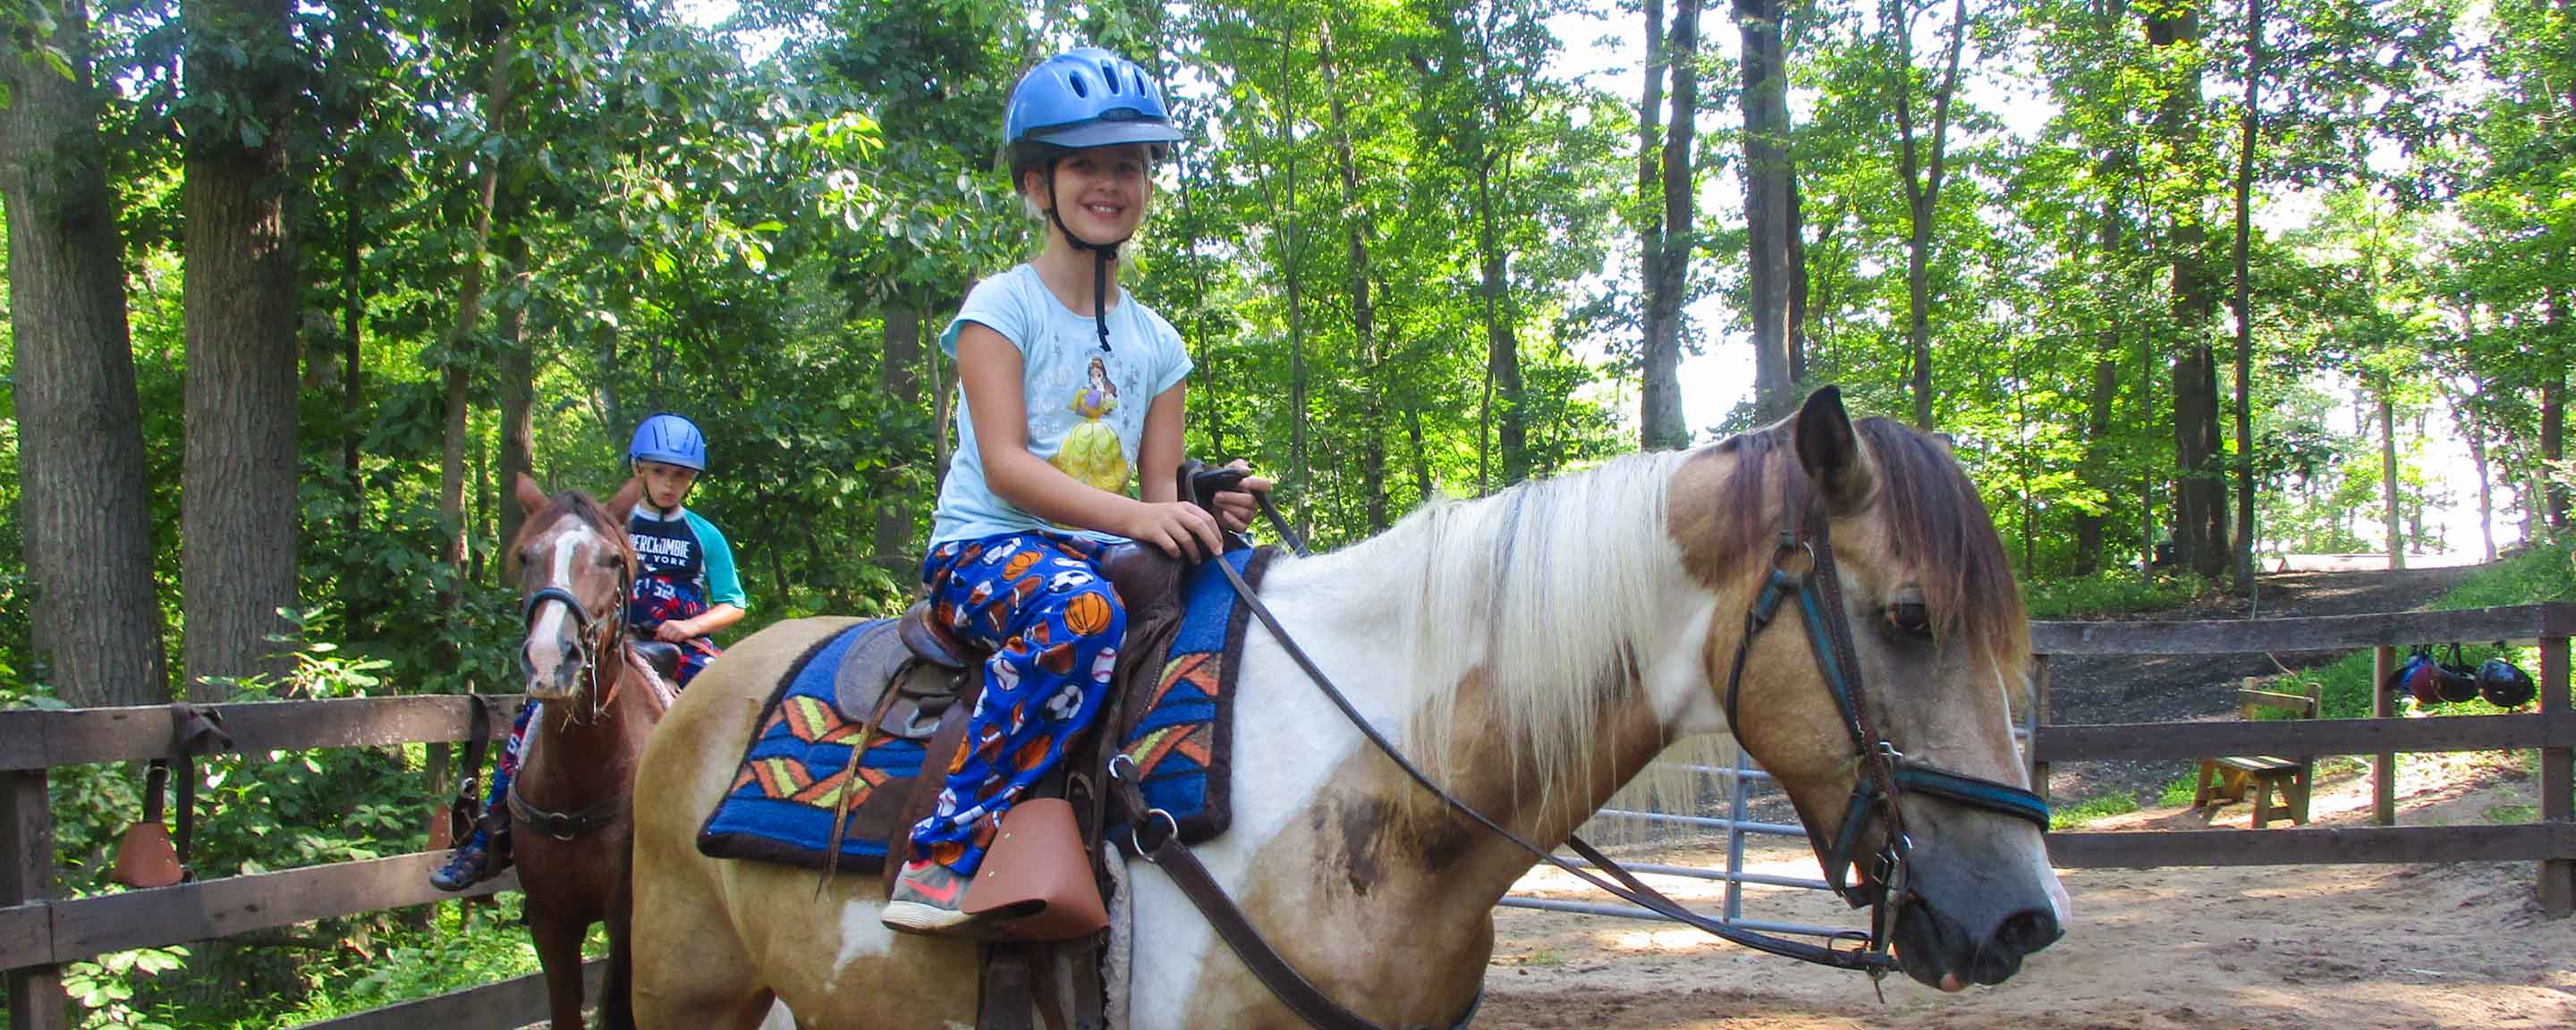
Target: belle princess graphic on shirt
[{"x": 1091, "y": 451}]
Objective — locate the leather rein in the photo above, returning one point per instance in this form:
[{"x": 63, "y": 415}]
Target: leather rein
[{"x": 1883, "y": 773}]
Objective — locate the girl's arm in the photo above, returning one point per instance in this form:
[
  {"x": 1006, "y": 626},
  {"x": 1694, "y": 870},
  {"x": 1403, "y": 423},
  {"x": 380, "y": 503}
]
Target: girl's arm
[
  {"x": 1158, "y": 457},
  {"x": 989, "y": 368}
]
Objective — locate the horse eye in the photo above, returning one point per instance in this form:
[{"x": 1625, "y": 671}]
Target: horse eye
[{"x": 1910, "y": 616}]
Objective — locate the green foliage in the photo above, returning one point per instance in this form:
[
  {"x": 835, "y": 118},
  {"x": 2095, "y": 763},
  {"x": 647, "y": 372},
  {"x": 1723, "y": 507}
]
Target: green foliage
[
  {"x": 104, "y": 987},
  {"x": 2076, "y": 816},
  {"x": 2108, "y": 594}
]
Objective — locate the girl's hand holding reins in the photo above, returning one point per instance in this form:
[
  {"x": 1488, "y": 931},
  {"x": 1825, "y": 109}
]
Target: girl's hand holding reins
[
  {"x": 1181, "y": 529},
  {"x": 1237, "y": 506}
]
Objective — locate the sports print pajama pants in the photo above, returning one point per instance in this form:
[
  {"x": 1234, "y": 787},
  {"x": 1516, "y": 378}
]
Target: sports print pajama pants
[{"x": 1054, "y": 626}]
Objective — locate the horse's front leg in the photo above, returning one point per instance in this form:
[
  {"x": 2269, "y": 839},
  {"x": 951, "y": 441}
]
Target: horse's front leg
[{"x": 558, "y": 938}]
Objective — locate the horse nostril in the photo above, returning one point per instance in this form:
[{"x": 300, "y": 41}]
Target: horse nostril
[{"x": 2027, "y": 931}]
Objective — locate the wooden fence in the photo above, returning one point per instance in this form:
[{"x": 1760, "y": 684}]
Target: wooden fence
[
  {"x": 2552, "y": 730},
  {"x": 39, "y": 932}
]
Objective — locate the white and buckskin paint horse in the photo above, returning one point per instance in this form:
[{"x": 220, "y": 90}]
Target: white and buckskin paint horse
[{"x": 1533, "y": 650}]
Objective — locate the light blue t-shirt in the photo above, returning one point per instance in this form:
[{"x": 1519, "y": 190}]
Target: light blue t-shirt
[{"x": 1086, "y": 407}]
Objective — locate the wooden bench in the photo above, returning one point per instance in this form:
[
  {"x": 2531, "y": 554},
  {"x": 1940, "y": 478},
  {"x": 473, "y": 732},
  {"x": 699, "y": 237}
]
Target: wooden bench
[{"x": 2224, "y": 780}]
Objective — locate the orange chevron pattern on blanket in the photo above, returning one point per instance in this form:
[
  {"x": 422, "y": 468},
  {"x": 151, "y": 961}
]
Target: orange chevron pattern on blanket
[
  {"x": 796, "y": 780},
  {"x": 1179, "y": 733}
]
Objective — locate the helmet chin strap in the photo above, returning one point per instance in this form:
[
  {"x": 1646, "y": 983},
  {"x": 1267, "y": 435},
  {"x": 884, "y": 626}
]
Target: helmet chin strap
[{"x": 1101, "y": 255}]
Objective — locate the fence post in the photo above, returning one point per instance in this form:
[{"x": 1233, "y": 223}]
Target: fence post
[
  {"x": 2383, "y": 769},
  {"x": 36, "y": 1000},
  {"x": 2557, "y": 778}
]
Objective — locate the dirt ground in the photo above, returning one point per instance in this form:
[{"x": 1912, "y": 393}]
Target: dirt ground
[{"x": 2398, "y": 947}]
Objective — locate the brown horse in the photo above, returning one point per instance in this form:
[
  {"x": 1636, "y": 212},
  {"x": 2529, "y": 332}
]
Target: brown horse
[
  {"x": 1533, "y": 651},
  {"x": 571, "y": 821}
]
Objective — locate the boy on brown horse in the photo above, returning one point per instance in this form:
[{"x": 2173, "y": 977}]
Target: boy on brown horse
[{"x": 685, "y": 591}]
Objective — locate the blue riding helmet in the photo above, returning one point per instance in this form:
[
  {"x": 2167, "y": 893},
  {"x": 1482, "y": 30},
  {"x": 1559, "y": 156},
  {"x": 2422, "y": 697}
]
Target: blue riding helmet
[
  {"x": 671, "y": 440},
  {"x": 1087, "y": 97}
]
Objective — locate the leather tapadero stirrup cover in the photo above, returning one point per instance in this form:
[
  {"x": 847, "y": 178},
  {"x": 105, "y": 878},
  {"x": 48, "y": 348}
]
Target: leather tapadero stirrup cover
[{"x": 1035, "y": 883}]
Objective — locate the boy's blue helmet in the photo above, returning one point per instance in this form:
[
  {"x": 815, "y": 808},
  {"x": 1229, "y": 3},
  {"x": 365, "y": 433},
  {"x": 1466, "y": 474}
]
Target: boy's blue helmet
[
  {"x": 1087, "y": 97},
  {"x": 671, "y": 440}
]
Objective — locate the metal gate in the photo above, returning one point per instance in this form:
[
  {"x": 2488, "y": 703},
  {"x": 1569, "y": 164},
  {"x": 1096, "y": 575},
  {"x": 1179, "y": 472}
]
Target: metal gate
[
  {"x": 1735, "y": 786},
  {"x": 1737, "y": 783}
]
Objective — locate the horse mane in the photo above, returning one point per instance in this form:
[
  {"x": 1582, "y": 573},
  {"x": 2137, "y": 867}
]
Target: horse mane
[
  {"x": 1539, "y": 593},
  {"x": 1534, "y": 592}
]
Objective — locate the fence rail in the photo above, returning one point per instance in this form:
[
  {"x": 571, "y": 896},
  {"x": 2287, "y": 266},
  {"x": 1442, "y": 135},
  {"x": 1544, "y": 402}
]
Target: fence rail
[
  {"x": 39, "y": 932},
  {"x": 2552, "y": 730}
]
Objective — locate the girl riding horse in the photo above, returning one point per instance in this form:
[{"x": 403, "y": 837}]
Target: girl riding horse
[{"x": 1074, "y": 390}]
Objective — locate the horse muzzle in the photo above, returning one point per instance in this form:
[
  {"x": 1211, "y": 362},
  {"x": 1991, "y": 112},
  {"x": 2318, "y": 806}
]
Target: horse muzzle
[
  {"x": 553, "y": 669},
  {"x": 1940, "y": 951}
]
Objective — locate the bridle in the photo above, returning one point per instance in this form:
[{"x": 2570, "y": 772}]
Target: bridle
[
  {"x": 594, "y": 646},
  {"x": 1883, "y": 772}
]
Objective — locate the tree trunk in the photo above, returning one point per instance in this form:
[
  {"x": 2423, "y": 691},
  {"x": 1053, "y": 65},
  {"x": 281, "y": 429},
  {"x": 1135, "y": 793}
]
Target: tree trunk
[
  {"x": 1360, "y": 226},
  {"x": 2097, "y": 445},
  {"x": 1659, "y": 403},
  {"x": 2388, "y": 474},
  {"x": 899, "y": 374},
  {"x": 1421, "y": 457},
  {"x": 2244, "y": 550},
  {"x": 2553, "y": 411},
  {"x": 239, "y": 516},
  {"x": 518, "y": 388},
  {"x": 1767, "y": 196},
  {"x": 1283, "y": 213},
  {"x": 353, "y": 325},
  {"x": 1922, "y": 189},
  {"x": 2146, "y": 474},
  {"x": 1799, "y": 285},
  {"x": 2200, "y": 531},
  {"x": 1502, "y": 339},
  {"x": 460, "y": 336},
  {"x": 88, "y": 533},
  {"x": 1680, "y": 206},
  {"x": 2477, "y": 431}
]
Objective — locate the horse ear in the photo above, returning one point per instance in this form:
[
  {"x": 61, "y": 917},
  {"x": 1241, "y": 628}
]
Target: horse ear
[
  {"x": 1830, "y": 451},
  {"x": 626, "y": 497},
  {"x": 531, "y": 496}
]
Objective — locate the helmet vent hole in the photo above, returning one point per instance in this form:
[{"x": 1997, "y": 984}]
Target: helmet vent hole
[
  {"x": 1109, "y": 73},
  {"x": 1081, "y": 85}
]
